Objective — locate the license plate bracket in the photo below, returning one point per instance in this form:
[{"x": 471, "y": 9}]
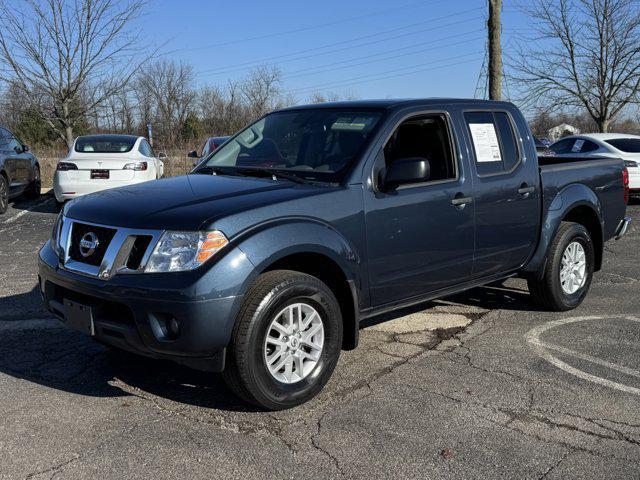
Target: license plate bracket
[
  {"x": 99, "y": 174},
  {"x": 79, "y": 317}
]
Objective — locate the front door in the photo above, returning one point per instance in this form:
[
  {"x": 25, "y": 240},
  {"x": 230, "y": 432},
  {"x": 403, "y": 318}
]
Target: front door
[{"x": 417, "y": 240}]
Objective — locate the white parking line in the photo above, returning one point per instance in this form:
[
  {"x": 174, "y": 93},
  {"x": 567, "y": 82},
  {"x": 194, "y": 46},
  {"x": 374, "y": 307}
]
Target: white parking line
[
  {"x": 542, "y": 349},
  {"x": 25, "y": 211}
]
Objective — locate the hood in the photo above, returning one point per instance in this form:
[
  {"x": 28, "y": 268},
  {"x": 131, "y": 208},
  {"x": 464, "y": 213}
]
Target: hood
[{"x": 189, "y": 202}]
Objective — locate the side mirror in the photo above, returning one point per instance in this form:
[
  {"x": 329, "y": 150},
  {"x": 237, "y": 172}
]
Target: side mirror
[
  {"x": 25, "y": 148},
  {"x": 193, "y": 154},
  {"x": 405, "y": 171},
  {"x": 162, "y": 156}
]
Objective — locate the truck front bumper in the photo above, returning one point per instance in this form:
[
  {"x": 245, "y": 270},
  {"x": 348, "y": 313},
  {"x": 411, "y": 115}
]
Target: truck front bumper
[{"x": 140, "y": 315}]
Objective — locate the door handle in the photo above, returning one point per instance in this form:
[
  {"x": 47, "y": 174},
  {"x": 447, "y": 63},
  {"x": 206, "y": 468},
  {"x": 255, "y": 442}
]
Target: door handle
[
  {"x": 460, "y": 201},
  {"x": 525, "y": 190}
]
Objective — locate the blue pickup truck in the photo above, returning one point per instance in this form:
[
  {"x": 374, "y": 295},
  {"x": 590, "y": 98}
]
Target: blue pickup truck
[{"x": 262, "y": 262}]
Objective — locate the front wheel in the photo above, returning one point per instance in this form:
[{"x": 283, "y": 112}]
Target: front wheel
[
  {"x": 569, "y": 271},
  {"x": 286, "y": 340},
  {"x": 4, "y": 194}
]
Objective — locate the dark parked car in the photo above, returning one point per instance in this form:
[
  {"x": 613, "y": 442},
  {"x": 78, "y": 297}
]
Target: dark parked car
[
  {"x": 19, "y": 170},
  {"x": 209, "y": 146},
  {"x": 542, "y": 147},
  {"x": 262, "y": 262}
]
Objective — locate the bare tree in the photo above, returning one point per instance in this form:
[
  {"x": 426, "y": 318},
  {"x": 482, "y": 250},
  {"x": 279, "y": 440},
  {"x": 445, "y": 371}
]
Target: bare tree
[
  {"x": 585, "y": 55},
  {"x": 262, "y": 90},
  {"x": 168, "y": 87},
  {"x": 68, "y": 56}
]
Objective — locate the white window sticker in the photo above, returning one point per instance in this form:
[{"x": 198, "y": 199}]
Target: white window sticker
[
  {"x": 577, "y": 146},
  {"x": 485, "y": 141}
]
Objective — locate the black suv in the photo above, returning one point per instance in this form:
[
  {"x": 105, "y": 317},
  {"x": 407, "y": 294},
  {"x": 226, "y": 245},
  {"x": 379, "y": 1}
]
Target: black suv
[{"x": 19, "y": 169}]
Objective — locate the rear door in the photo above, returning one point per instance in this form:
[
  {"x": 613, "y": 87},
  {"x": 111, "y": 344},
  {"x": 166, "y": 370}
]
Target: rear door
[
  {"x": 506, "y": 190},
  {"x": 417, "y": 240}
]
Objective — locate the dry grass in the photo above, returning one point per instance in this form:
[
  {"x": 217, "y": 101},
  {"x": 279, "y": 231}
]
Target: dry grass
[{"x": 176, "y": 163}]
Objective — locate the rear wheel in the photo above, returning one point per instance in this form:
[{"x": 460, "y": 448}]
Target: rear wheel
[
  {"x": 35, "y": 188},
  {"x": 4, "y": 194},
  {"x": 286, "y": 340},
  {"x": 569, "y": 269}
]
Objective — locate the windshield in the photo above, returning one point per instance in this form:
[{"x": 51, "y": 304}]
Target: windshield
[
  {"x": 316, "y": 144},
  {"x": 104, "y": 144},
  {"x": 629, "y": 145}
]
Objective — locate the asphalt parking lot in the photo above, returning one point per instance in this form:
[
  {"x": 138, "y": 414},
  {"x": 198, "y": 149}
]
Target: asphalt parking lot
[{"x": 481, "y": 385}]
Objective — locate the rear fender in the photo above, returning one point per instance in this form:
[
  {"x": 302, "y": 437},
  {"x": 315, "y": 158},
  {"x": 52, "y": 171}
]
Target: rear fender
[{"x": 566, "y": 200}]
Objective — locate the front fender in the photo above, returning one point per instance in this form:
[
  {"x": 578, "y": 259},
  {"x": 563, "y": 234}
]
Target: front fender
[
  {"x": 274, "y": 240},
  {"x": 567, "y": 199}
]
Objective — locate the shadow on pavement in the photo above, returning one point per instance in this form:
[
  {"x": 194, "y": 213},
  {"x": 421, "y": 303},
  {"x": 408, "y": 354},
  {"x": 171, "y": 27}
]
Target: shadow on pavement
[
  {"x": 44, "y": 204},
  {"x": 45, "y": 352},
  {"x": 496, "y": 296}
]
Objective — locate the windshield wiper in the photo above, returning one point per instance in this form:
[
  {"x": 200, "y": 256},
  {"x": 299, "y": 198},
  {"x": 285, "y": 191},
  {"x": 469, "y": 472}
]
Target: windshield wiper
[
  {"x": 269, "y": 172},
  {"x": 212, "y": 170},
  {"x": 253, "y": 171}
]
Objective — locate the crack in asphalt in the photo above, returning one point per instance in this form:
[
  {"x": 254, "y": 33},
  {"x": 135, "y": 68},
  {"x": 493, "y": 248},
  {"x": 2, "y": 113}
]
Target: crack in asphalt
[
  {"x": 57, "y": 467},
  {"x": 554, "y": 466}
]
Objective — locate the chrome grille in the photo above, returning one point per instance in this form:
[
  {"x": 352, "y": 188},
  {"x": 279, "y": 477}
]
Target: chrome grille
[{"x": 120, "y": 250}]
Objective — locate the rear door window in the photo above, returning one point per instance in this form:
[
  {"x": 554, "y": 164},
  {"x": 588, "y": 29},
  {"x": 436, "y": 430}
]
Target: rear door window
[
  {"x": 589, "y": 146},
  {"x": 494, "y": 142}
]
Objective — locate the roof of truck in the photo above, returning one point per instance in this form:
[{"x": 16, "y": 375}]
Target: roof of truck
[{"x": 394, "y": 103}]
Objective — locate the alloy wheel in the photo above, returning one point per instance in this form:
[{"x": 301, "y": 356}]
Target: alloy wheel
[
  {"x": 573, "y": 271},
  {"x": 294, "y": 342}
]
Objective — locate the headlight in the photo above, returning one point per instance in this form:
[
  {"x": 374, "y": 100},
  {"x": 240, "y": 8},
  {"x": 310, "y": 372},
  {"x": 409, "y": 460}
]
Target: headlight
[
  {"x": 182, "y": 251},
  {"x": 137, "y": 166}
]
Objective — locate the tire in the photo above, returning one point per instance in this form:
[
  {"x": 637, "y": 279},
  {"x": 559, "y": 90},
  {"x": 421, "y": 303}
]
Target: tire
[
  {"x": 35, "y": 188},
  {"x": 549, "y": 292},
  {"x": 4, "y": 194},
  {"x": 269, "y": 298}
]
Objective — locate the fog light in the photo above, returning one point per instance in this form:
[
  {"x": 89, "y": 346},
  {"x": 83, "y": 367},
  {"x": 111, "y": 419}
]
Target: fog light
[
  {"x": 165, "y": 327},
  {"x": 173, "y": 328}
]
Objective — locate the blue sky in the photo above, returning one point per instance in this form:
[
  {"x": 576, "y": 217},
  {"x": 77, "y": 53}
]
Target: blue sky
[{"x": 403, "y": 48}]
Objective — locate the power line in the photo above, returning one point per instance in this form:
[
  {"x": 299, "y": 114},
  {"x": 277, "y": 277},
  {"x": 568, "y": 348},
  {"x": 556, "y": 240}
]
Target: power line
[
  {"x": 388, "y": 77},
  {"x": 390, "y": 74},
  {"x": 349, "y": 63},
  {"x": 302, "y": 54},
  {"x": 308, "y": 28}
]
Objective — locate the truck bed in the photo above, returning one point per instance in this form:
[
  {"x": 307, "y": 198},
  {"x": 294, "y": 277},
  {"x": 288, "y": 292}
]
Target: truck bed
[{"x": 603, "y": 176}]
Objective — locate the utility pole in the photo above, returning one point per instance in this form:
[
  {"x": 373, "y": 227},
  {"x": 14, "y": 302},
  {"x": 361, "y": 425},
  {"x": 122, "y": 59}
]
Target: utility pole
[{"x": 495, "y": 50}]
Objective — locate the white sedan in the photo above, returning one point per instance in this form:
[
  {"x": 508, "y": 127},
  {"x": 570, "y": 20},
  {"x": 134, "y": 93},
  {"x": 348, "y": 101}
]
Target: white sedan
[
  {"x": 100, "y": 162},
  {"x": 619, "y": 145}
]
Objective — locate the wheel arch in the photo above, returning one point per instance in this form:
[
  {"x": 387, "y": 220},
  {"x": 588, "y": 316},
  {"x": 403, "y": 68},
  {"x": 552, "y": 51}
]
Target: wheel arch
[
  {"x": 574, "y": 203},
  {"x": 316, "y": 250}
]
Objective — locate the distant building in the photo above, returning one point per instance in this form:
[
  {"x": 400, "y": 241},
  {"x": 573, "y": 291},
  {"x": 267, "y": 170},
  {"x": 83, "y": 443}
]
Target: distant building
[{"x": 562, "y": 130}]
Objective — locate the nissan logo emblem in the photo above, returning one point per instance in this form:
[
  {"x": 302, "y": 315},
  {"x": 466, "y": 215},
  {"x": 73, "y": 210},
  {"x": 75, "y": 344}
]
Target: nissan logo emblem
[{"x": 88, "y": 244}]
